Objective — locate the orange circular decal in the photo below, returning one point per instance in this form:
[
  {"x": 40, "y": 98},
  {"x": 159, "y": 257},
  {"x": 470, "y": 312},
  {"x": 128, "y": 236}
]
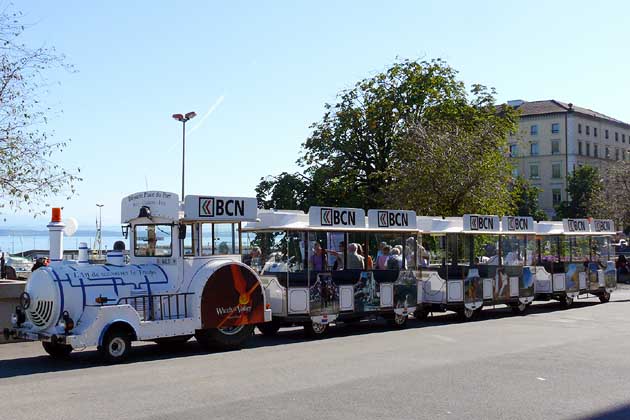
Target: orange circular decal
[{"x": 243, "y": 299}]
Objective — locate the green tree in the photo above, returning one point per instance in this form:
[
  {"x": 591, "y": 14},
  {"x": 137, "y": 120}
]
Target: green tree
[
  {"x": 355, "y": 152},
  {"x": 616, "y": 198},
  {"x": 525, "y": 199},
  {"x": 585, "y": 194},
  {"x": 28, "y": 174}
]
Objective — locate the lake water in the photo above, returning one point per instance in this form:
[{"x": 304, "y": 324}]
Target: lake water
[{"x": 14, "y": 244}]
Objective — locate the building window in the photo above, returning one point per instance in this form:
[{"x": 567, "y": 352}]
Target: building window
[
  {"x": 556, "y": 170},
  {"x": 515, "y": 173},
  {"x": 616, "y": 154},
  {"x": 513, "y": 150},
  {"x": 607, "y": 153},
  {"x": 606, "y": 133},
  {"x": 555, "y": 128},
  {"x": 623, "y": 138},
  {"x": 616, "y": 136},
  {"x": 594, "y": 131},
  {"x": 595, "y": 151},
  {"x": 533, "y": 130},
  {"x": 555, "y": 147},
  {"x": 533, "y": 149},
  {"x": 588, "y": 130},
  {"x": 533, "y": 171},
  {"x": 588, "y": 149},
  {"x": 579, "y": 148},
  {"x": 556, "y": 195},
  {"x": 580, "y": 128}
]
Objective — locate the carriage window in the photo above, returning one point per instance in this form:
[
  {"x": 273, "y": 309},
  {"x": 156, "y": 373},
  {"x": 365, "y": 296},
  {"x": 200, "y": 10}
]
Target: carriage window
[
  {"x": 265, "y": 251},
  {"x": 600, "y": 249},
  {"x": 514, "y": 250},
  {"x": 433, "y": 251},
  {"x": 387, "y": 251},
  {"x": 219, "y": 239},
  {"x": 358, "y": 258},
  {"x": 579, "y": 248},
  {"x": 485, "y": 250},
  {"x": 550, "y": 249},
  {"x": 153, "y": 240},
  {"x": 317, "y": 245},
  {"x": 297, "y": 248}
]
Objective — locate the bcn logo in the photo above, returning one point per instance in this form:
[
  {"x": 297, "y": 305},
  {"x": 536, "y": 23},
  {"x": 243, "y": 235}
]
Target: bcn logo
[
  {"x": 518, "y": 223},
  {"x": 216, "y": 207},
  {"x": 390, "y": 219},
  {"x": 481, "y": 223},
  {"x": 576, "y": 225},
  {"x": 602, "y": 225},
  {"x": 333, "y": 217}
]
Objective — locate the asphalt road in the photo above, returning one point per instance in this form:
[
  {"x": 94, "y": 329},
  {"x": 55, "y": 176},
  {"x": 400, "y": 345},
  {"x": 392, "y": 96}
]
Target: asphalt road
[{"x": 550, "y": 364}]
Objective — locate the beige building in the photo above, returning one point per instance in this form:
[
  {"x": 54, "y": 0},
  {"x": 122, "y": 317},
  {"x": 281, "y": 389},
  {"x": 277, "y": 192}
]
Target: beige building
[{"x": 555, "y": 137}]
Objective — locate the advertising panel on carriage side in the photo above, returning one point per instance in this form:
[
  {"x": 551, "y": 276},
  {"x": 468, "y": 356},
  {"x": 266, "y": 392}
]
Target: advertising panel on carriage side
[
  {"x": 576, "y": 225},
  {"x": 481, "y": 223},
  {"x": 161, "y": 203},
  {"x": 336, "y": 217},
  {"x": 215, "y": 208},
  {"x": 603, "y": 226},
  {"x": 518, "y": 224},
  {"x": 392, "y": 219}
]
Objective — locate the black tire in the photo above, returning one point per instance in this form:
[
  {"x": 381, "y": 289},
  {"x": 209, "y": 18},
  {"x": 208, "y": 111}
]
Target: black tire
[
  {"x": 312, "y": 330},
  {"x": 567, "y": 301},
  {"x": 57, "y": 351},
  {"x": 116, "y": 346},
  {"x": 465, "y": 314},
  {"x": 224, "y": 339},
  {"x": 520, "y": 308},
  {"x": 172, "y": 342},
  {"x": 604, "y": 297},
  {"x": 269, "y": 329},
  {"x": 397, "y": 321}
]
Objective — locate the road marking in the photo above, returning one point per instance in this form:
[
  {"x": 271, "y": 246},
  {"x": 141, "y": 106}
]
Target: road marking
[{"x": 541, "y": 379}]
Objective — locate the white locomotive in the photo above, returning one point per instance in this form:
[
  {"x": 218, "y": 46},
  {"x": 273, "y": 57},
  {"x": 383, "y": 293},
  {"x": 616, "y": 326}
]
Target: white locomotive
[{"x": 184, "y": 277}]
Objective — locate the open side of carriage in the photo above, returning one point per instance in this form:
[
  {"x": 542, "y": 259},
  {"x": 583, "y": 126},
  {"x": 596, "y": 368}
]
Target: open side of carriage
[{"x": 336, "y": 265}]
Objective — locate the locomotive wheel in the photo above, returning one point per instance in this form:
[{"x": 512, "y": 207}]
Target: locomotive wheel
[
  {"x": 604, "y": 297},
  {"x": 519, "y": 308},
  {"x": 315, "y": 329},
  {"x": 397, "y": 321},
  {"x": 116, "y": 346},
  {"x": 172, "y": 342},
  {"x": 567, "y": 301},
  {"x": 224, "y": 338},
  {"x": 57, "y": 351},
  {"x": 269, "y": 329}
]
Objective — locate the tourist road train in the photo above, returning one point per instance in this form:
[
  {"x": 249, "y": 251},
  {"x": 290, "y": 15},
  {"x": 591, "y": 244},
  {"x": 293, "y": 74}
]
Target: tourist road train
[{"x": 217, "y": 267}]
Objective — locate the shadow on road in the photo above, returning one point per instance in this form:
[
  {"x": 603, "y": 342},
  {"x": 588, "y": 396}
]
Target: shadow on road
[
  {"x": 151, "y": 352},
  {"x": 617, "y": 413}
]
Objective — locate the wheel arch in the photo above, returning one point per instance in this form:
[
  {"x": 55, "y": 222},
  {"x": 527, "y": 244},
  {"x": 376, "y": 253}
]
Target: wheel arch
[{"x": 115, "y": 324}]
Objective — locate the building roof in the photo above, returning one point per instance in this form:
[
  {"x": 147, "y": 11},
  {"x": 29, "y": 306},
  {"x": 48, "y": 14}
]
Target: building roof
[{"x": 552, "y": 106}]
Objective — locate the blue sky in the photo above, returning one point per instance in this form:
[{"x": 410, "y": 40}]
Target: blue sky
[{"x": 267, "y": 68}]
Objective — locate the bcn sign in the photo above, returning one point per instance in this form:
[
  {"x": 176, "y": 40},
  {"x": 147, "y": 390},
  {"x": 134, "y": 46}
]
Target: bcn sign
[
  {"x": 336, "y": 217},
  {"x": 478, "y": 222},
  {"x": 517, "y": 224},
  {"x": 392, "y": 219},
  {"x": 220, "y": 208}
]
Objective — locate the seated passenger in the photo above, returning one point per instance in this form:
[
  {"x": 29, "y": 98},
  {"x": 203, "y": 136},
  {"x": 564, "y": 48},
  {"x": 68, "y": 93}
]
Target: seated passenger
[
  {"x": 491, "y": 257},
  {"x": 253, "y": 258},
  {"x": 355, "y": 261},
  {"x": 394, "y": 262},
  {"x": 369, "y": 263},
  {"x": 381, "y": 261}
]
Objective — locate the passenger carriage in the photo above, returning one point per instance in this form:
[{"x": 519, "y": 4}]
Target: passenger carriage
[
  {"x": 474, "y": 261},
  {"x": 315, "y": 273},
  {"x": 575, "y": 257}
]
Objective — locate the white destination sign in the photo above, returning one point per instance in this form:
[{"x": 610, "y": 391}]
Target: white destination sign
[
  {"x": 392, "y": 219},
  {"x": 217, "y": 208},
  {"x": 161, "y": 203},
  {"x": 336, "y": 217}
]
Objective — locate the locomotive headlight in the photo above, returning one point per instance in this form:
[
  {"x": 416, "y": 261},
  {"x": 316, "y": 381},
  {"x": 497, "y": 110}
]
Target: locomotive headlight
[{"x": 66, "y": 322}]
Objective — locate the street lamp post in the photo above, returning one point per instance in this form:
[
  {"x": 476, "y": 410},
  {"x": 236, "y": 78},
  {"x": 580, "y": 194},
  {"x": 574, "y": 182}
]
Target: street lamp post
[
  {"x": 183, "y": 118},
  {"x": 99, "y": 229}
]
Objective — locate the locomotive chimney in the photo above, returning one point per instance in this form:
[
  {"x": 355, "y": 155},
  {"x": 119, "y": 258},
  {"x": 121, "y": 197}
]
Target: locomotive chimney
[
  {"x": 83, "y": 253},
  {"x": 55, "y": 234}
]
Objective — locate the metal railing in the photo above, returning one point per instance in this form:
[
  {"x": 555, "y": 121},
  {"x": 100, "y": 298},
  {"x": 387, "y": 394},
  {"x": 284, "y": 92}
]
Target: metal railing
[{"x": 159, "y": 307}]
